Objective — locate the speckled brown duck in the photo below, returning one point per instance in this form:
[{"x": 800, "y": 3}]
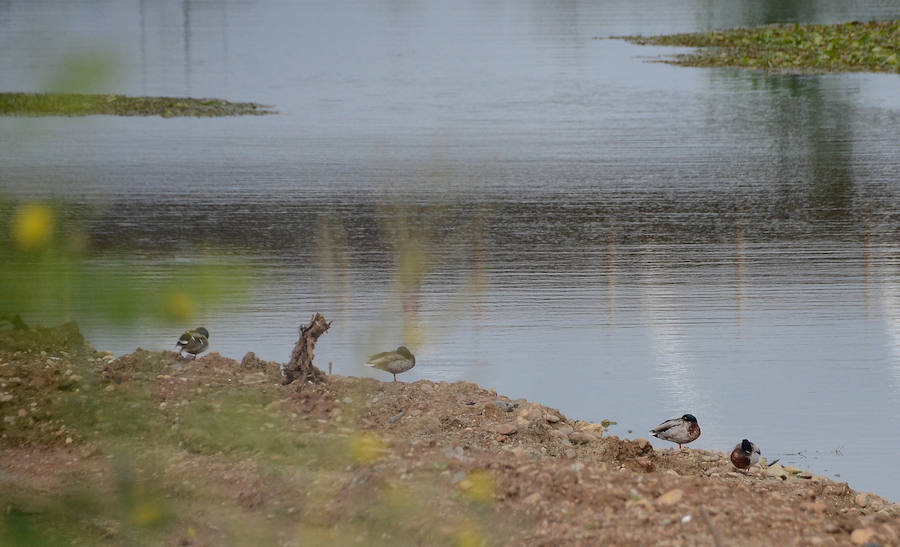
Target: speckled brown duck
[{"x": 395, "y": 362}]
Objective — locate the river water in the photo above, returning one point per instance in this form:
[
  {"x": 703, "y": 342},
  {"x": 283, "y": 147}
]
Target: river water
[{"x": 525, "y": 203}]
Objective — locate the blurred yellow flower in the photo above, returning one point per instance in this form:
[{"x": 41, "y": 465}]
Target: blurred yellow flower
[
  {"x": 478, "y": 486},
  {"x": 32, "y": 226},
  {"x": 179, "y": 305},
  {"x": 148, "y": 513},
  {"x": 469, "y": 536},
  {"x": 367, "y": 447}
]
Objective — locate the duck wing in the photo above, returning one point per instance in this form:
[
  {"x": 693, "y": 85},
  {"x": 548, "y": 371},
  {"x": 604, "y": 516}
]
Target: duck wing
[
  {"x": 184, "y": 340},
  {"x": 390, "y": 361},
  {"x": 667, "y": 425},
  {"x": 196, "y": 344}
]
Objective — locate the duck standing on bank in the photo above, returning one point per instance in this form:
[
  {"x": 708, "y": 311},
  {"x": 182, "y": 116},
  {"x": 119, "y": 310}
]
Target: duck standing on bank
[
  {"x": 193, "y": 342},
  {"x": 395, "y": 362},
  {"x": 745, "y": 455},
  {"x": 678, "y": 430}
]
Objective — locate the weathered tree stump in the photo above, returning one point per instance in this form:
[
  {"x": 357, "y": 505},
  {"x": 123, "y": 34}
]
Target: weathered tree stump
[{"x": 300, "y": 366}]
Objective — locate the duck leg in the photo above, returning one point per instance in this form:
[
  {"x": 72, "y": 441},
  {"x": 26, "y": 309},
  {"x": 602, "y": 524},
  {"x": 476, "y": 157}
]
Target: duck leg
[{"x": 395, "y": 377}]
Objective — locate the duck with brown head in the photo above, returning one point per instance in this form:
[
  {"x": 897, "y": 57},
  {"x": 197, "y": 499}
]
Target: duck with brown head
[{"x": 395, "y": 362}]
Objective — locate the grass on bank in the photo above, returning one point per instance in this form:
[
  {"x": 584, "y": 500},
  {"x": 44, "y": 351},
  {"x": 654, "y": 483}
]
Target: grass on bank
[
  {"x": 148, "y": 449},
  {"x": 82, "y": 104},
  {"x": 846, "y": 47}
]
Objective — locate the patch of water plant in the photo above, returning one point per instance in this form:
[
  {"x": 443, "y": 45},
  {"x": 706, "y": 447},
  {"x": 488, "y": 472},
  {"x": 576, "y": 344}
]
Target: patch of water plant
[{"x": 848, "y": 47}]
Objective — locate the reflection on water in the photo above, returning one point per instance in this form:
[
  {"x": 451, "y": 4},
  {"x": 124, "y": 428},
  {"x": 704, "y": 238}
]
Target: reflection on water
[{"x": 526, "y": 207}]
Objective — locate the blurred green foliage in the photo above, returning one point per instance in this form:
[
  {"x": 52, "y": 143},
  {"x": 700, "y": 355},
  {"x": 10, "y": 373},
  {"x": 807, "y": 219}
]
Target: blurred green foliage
[
  {"x": 149, "y": 449},
  {"x": 49, "y": 272},
  {"x": 83, "y": 71}
]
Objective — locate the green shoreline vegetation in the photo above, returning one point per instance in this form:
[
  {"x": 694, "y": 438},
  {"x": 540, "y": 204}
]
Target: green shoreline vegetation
[
  {"x": 848, "y": 47},
  {"x": 78, "y": 104}
]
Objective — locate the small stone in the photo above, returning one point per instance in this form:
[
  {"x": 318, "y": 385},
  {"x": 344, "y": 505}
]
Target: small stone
[
  {"x": 686, "y": 519},
  {"x": 521, "y": 421},
  {"x": 552, "y": 418},
  {"x": 814, "y": 506},
  {"x": 516, "y": 450},
  {"x": 396, "y": 417},
  {"x": 577, "y": 466},
  {"x": 671, "y": 497},
  {"x": 531, "y": 499},
  {"x": 557, "y": 434},
  {"x": 427, "y": 387},
  {"x": 347, "y": 400},
  {"x": 570, "y": 453},
  {"x": 861, "y": 536},
  {"x": 69, "y": 440},
  {"x": 5, "y": 397},
  {"x": 777, "y": 471},
  {"x": 580, "y": 437},
  {"x": 505, "y": 406},
  {"x": 456, "y": 453},
  {"x": 533, "y": 413},
  {"x": 565, "y": 428},
  {"x": 644, "y": 462},
  {"x": 504, "y": 429},
  {"x": 804, "y": 475},
  {"x": 792, "y": 470},
  {"x": 861, "y": 500},
  {"x": 643, "y": 444}
]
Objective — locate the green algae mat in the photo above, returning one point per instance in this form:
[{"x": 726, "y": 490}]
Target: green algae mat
[
  {"x": 846, "y": 47},
  {"x": 76, "y": 104}
]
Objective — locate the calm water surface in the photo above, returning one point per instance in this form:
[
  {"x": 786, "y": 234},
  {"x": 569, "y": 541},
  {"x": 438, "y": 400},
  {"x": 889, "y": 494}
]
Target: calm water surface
[{"x": 529, "y": 207}]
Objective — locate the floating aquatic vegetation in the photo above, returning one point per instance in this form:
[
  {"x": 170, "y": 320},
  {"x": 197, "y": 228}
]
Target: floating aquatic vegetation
[
  {"x": 84, "y": 104},
  {"x": 849, "y": 47}
]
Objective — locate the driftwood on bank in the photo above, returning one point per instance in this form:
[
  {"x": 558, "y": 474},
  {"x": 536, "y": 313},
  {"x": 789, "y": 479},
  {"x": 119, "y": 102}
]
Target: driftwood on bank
[{"x": 300, "y": 366}]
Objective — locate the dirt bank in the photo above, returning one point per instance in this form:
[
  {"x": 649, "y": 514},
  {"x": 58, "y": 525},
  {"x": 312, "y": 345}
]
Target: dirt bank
[{"x": 148, "y": 448}]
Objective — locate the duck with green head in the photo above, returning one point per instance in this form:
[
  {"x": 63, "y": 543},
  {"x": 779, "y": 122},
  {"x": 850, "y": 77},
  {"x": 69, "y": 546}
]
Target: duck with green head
[
  {"x": 745, "y": 455},
  {"x": 678, "y": 430},
  {"x": 395, "y": 362},
  {"x": 193, "y": 342}
]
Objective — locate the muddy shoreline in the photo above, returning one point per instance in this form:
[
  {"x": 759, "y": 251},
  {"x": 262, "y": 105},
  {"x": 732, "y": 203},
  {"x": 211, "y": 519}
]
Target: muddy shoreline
[{"x": 166, "y": 451}]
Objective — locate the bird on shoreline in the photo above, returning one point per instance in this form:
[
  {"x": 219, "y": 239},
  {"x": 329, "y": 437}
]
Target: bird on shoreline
[
  {"x": 678, "y": 430},
  {"x": 745, "y": 455},
  {"x": 193, "y": 342},
  {"x": 395, "y": 362}
]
